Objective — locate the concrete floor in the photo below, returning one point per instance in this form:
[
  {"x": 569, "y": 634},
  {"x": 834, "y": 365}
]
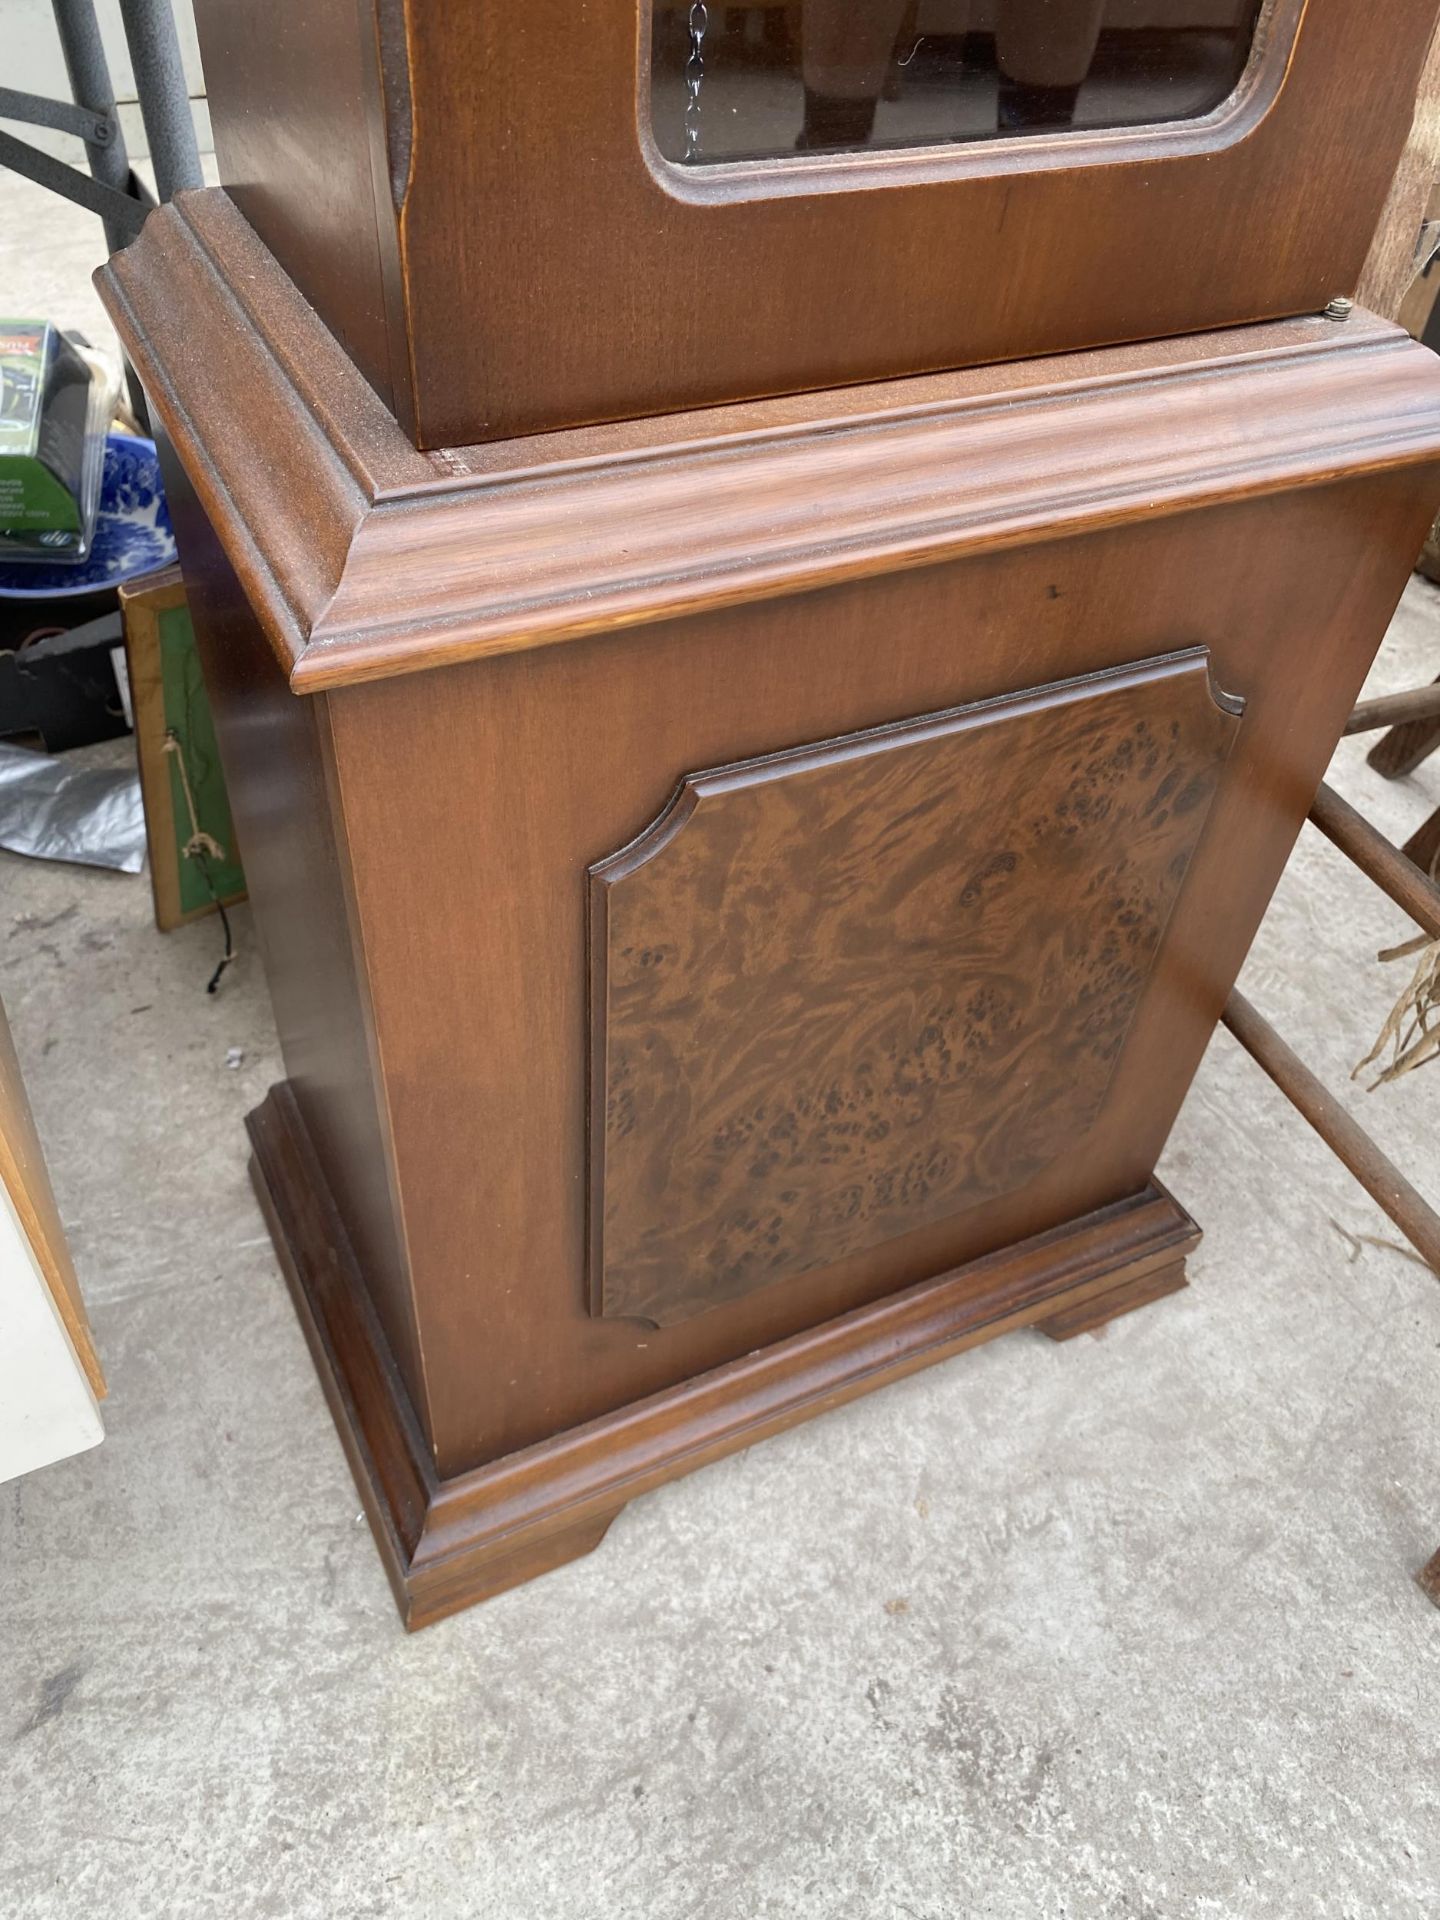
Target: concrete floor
[{"x": 1119, "y": 1628}]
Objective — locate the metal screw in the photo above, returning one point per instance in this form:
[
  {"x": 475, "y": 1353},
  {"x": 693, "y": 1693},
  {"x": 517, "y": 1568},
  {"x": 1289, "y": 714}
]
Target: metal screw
[{"x": 1339, "y": 308}]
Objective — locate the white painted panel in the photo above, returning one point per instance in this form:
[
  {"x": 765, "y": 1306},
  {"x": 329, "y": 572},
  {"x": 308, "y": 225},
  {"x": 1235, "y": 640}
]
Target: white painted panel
[{"x": 47, "y": 1411}]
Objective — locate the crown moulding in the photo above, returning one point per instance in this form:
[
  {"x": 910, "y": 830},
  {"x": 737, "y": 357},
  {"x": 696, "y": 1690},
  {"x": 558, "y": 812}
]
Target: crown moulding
[{"x": 364, "y": 558}]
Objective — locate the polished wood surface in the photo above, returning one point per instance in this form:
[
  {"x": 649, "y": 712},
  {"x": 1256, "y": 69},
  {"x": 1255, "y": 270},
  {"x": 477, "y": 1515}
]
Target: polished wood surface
[
  {"x": 820, "y": 978},
  {"x": 481, "y": 732},
  {"x": 297, "y": 85},
  {"x": 477, "y": 209},
  {"x": 524, "y": 768}
]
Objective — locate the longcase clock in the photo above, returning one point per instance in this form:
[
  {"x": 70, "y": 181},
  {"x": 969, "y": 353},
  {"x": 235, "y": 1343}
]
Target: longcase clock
[{"x": 776, "y": 583}]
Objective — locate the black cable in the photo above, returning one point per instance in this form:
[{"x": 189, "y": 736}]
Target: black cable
[{"x": 229, "y": 954}]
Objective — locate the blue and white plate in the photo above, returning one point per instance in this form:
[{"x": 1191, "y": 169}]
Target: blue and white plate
[{"x": 132, "y": 531}]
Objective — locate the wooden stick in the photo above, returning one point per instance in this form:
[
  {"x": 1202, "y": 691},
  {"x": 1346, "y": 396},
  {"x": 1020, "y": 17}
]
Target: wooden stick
[
  {"x": 1394, "y": 709},
  {"x": 1377, "y": 859},
  {"x": 1346, "y": 1138}
]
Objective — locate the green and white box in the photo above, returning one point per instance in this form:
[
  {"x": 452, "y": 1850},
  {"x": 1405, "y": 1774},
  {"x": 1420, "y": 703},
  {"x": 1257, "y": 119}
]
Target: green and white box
[{"x": 44, "y": 403}]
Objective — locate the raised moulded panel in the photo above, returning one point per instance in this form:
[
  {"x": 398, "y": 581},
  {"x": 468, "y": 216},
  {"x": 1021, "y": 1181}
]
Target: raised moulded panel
[{"x": 842, "y": 992}]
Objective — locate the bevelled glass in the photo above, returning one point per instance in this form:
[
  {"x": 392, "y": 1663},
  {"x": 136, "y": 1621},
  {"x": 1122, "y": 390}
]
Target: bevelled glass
[{"x": 806, "y": 76}]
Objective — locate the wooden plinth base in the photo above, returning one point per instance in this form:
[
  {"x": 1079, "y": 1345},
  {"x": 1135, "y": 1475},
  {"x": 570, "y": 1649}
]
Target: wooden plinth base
[
  {"x": 1138, "y": 1289},
  {"x": 449, "y": 1543}
]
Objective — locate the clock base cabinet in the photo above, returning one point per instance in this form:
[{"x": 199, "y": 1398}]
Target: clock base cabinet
[{"x": 745, "y": 894}]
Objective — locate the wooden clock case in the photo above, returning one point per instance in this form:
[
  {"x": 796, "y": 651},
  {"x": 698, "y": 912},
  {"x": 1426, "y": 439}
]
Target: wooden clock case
[
  {"x": 745, "y": 891},
  {"x": 566, "y": 273}
]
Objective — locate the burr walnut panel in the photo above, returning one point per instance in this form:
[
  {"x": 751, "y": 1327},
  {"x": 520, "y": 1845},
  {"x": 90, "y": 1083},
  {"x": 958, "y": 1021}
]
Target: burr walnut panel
[{"x": 842, "y": 992}]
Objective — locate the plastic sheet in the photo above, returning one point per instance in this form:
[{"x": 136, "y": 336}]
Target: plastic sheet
[{"x": 54, "y": 810}]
